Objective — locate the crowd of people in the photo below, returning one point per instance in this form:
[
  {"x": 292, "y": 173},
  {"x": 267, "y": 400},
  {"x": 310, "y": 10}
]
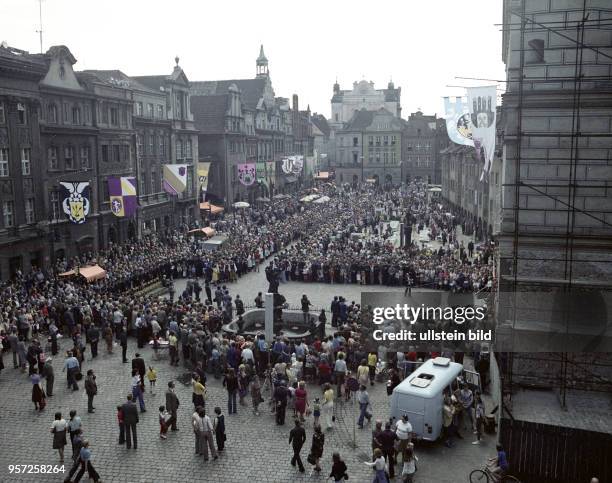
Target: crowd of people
[{"x": 42, "y": 310}]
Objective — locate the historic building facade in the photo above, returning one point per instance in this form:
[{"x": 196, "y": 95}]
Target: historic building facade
[
  {"x": 420, "y": 148},
  {"x": 23, "y": 233},
  {"x": 242, "y": 121},
  {"x": 364, "y": 95},
  {"x": 369, "y": 147}
]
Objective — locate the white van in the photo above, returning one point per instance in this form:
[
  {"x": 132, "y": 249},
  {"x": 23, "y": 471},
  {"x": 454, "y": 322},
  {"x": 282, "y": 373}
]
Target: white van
[{"x": 421, "y": 395}]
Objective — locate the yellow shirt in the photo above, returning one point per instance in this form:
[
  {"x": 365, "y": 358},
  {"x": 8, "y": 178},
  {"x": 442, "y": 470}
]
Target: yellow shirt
[
  {"x": 328, "y": 396},
  {"x": 152, "y": 375},
  {"x": 363, "y": 371},
  {"x": 198, "y": 388},
  {"x": 372, "y": 360}
]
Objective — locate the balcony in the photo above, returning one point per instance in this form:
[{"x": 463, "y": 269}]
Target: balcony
[{"x": 153, "y": 199}]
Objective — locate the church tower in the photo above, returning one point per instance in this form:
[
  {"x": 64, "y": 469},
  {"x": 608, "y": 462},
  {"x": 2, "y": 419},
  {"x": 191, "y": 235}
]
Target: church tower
[{"x": 262, "y": 64}]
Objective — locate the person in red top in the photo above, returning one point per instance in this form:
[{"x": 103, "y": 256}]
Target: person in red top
[
  {"x": 121, "y": 425},
  {"x": 324, "y": 371}
]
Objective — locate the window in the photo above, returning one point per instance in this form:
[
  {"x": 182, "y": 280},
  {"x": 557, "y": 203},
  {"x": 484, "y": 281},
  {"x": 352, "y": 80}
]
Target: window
[
  {"x": 392, "y": 140},
  {"x": 4, "y": 162},
  {"x": 76, "y": 116},
  {"x": 69, "y": 157},
  {"x": 151, "y": 148},
  {"x": 8, "y": 213},
  {"x": 125, "y": 153},
  {"x": 104, "y": 111},
  {"x": 188, "y": 148},
  {"x": 52, "y": 157},
  {"x": 65, "y": 112},
  {"x": 179, "y": 106},
  {"x": 52, "y": 113},
  {"x": 2, "y": 114},
  {"x": 150, "y": 111},
  {"x": 179, "y": 149},
  {"x": 29, "y": 210},
  {"x": 139, "y": 145},
  {"x": 371, "y": 158},
  {"x": 116, "y": 154},
  {"x": 87, "y": 114},
  {"x": 105, "y": 153},
  {"x": 139, "y": 108},
  {"x": 355, "y": 141},
  {"x": 370, "y": 140},
  {"x": 84, "y": 156},
  {"x": 385, "y": 157},
  {"x": 21, "y": 113},
  {"x": 124, "y": 115},
  {"x": 355, "y": 158},
  {"x": 386, "y": 140},
  {"x": 160, "y": 111},
  {"x": 114, "y": 116},
  {"x": 377, "y": 140},
  {"x": 54, "y": 200},
  {"x": 153, "y": 182},
  {"x": 25, "y": 161}
]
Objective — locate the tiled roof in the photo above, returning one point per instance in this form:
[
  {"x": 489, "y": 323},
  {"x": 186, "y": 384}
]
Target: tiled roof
[
  {"x": 209, "y": 113},
  {"x": 252, "y": 89},
  {"x": 321, "y": 123},
  {"x": 111, "y": 76},
  {"x": 152, "y": 81}
]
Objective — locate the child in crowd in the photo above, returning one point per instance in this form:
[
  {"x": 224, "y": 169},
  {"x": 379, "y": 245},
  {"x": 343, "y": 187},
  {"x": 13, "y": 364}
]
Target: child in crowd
[
  {"x": 152, "y": 376},
  {"x": 164, "y": 417},
  {"x": 121, "y": 425}
]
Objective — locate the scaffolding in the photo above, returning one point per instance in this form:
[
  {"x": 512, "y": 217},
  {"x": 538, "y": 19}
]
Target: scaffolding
[{"x": 560, "y": 371}]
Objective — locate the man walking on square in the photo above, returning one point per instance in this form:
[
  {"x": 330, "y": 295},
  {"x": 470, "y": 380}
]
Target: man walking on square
[
  {"x": 130, "y": 420},
  {"x": 297, "y": 438},
  {"x": 172, "y": 405}
]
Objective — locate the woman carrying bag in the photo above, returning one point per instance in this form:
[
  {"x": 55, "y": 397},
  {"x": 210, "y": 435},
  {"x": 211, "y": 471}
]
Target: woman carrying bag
[{"x": 59, "y": 428}]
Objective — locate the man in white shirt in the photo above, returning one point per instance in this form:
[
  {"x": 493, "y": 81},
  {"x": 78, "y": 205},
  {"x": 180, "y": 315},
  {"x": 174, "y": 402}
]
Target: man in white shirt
[
  {"x": 340, "y": 372},
  {"x": 403, "y": 431},
  {"x": 203, "y": 427}
]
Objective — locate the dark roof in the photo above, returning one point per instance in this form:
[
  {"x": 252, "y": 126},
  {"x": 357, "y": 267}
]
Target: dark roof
[
  {"x": 360, "y": 120},
  {"x": 152, "y": 81},
  {"x": 209, "y": 113},
  {"x": 20, "y": 60},
  {"x": 363, "y": 119},
  {"x": 112, "y": 76},
  {"x": 321, "y": 123},
  {"x": 252, "y": 89}
]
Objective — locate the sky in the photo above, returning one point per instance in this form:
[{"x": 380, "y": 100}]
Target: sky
[{"x": 422, "y": 45}]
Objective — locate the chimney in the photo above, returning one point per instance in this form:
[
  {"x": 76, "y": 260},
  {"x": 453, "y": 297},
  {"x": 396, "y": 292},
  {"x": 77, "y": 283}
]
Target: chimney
[{"x": 295, "y": 103}]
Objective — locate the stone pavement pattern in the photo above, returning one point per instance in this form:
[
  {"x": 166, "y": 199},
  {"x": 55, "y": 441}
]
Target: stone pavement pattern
[{"x": 256, "y": 450}]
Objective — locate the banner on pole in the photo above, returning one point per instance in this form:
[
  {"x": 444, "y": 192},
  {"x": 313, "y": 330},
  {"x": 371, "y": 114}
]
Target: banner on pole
[
  {"x": 175, "y": 178},
  {"x": 482, "y": 104},
  {"x": 458, "y": 121},
  {"x": 203, "y": 170}
]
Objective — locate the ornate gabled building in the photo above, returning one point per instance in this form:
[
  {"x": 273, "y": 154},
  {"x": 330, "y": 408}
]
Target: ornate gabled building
[
  {"x": 241, "y": 120},
  {"x": 370, "y": 147},
  {"x": 363, "y": 95},
  {"x": 183, "y": 146}
]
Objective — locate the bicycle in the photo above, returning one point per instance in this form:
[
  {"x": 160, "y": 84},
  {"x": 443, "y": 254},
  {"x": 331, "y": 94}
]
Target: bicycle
[{"x": 485, "y": 475}]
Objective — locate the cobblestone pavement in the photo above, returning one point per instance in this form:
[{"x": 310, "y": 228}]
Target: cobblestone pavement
[{"x": 257, "y": 450}]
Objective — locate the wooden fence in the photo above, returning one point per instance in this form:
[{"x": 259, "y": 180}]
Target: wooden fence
[{"x": 545, "y": 454}]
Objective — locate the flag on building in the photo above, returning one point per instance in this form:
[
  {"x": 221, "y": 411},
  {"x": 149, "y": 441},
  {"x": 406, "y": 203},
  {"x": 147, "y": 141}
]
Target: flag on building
[
  {"x": 261, "y": 173},
  {"x": 122, "y": 196},
  {"x": 247, "y": 173},
  {"x": 76, "y": 203},
  {"x": 175, "y": 178},
  {"x": 458, "y": 121},
  {"x": 482, "y": 104},
  {"x": 203, "y": 170}
]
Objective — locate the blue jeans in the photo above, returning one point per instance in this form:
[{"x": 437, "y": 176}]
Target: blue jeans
[
  {"x": 363, "y": 413},
  {"x": 231, "y": 402},
  {"x": 380, "y": 477},
  {"x": 137, "y": 393}
]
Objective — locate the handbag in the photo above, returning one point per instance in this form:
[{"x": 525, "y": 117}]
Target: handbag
[{"x": 311, "y": 459}]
